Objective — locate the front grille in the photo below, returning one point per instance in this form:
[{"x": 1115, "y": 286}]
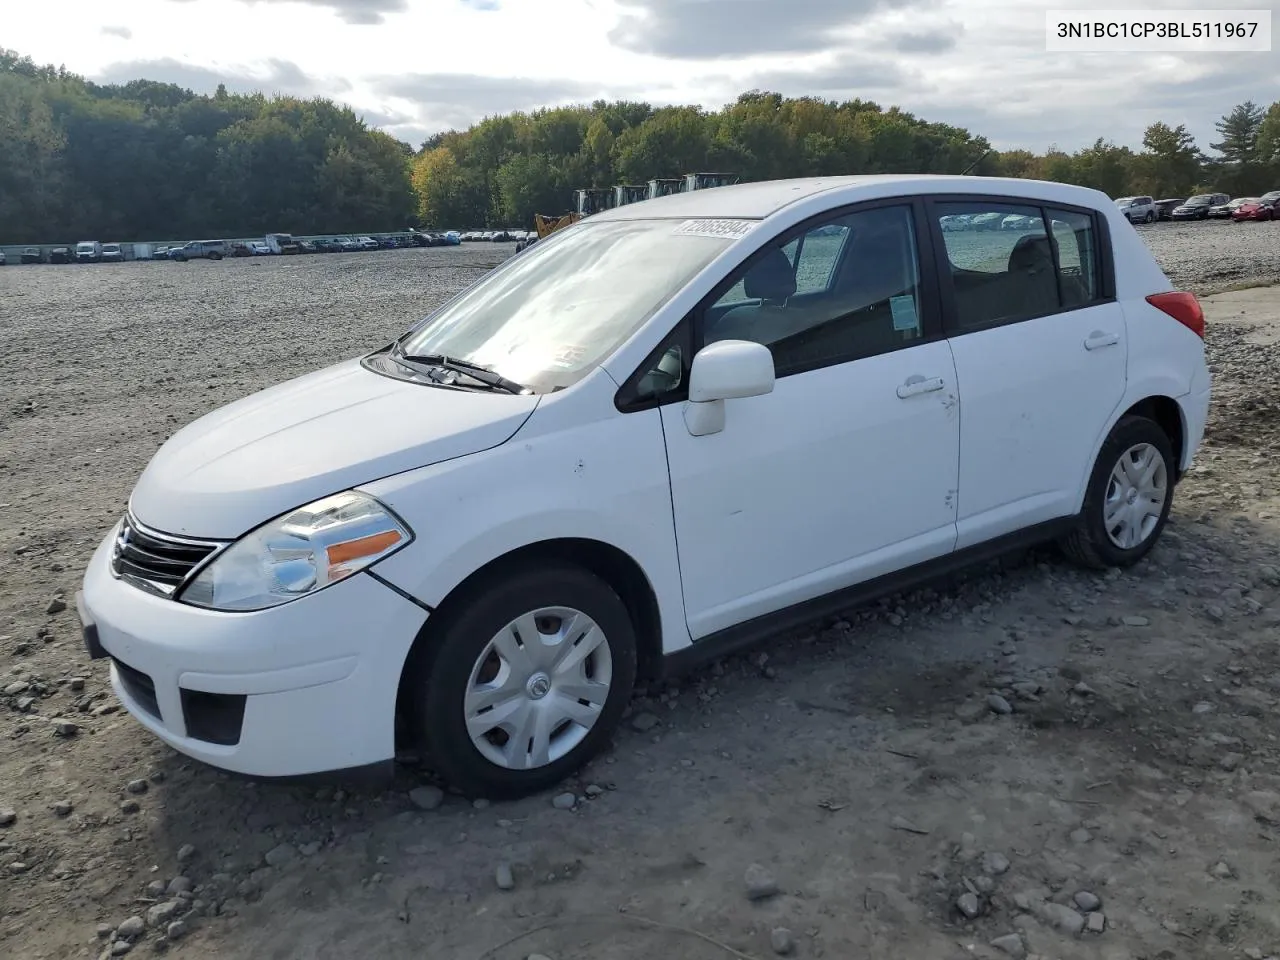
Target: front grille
[
  {"x": 139, "y": 686},
  {"x": 158, "y": 562}
]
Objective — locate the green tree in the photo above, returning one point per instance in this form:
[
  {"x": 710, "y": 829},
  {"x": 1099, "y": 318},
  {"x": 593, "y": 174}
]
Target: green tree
[{"x": 1170, "y": 163}]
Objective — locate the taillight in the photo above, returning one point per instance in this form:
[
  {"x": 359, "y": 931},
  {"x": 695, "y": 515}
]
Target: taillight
[{"x": 1183, "y": 307}]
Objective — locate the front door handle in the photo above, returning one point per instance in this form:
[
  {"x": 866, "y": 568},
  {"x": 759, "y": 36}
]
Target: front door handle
[
  {"x": 1099, "y": 339},
  {"x": 917, "y": 384}
]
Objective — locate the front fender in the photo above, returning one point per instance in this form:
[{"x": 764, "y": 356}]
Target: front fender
[{"x": 605, "y": 481}]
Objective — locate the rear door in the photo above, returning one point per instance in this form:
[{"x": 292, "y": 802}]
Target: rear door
[{"x": 1040, "y": 351}]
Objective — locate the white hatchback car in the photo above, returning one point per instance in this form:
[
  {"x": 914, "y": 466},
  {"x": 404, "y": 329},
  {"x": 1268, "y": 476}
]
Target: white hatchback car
[{"x": 667, "y": 431}]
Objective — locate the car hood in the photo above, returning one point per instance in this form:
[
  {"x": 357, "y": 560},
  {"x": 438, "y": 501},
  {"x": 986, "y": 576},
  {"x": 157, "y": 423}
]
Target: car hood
[{"x": 327, "y": 431}]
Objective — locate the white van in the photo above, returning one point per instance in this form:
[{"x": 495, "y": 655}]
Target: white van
[{"x": 88, "y": 251}]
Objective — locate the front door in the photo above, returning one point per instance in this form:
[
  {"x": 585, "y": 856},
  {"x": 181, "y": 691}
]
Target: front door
[{"x": 847, "y": 469}]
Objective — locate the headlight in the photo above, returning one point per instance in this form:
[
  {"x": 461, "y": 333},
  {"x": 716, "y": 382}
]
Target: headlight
[{"x": 297, "y": 554}]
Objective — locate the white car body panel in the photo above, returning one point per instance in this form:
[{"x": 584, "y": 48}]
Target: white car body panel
[
  {"x": 1021, "y": 447},
  {"x": 296, "y": 661},
  {"x": 583, "y": 470},
  {"x": 828, "y": 481},
  {"x": 805, "y": 495},
  {"x": 231, "y": 470}
]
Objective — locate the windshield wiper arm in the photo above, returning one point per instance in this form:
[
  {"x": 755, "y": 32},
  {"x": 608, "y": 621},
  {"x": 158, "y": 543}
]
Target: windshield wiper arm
[{"x": 472, "y": 370}]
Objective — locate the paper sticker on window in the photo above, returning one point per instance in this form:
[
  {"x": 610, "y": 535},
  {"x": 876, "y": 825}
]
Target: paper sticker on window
[
  {"x": 722, "y": 229},
  {"x": 904, "y": 312}
]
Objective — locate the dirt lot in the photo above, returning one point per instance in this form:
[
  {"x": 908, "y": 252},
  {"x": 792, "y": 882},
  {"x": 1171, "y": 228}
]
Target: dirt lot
[{"x": 858, "y": 762}]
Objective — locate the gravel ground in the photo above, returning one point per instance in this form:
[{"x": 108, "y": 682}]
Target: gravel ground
[{"x": 1026, "y": 759}]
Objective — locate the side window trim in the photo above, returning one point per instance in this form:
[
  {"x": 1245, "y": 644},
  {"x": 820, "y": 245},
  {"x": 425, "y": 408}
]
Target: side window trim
[
  {"x": 690, "y": 326},
  {"x": 1103, "y": 263}
]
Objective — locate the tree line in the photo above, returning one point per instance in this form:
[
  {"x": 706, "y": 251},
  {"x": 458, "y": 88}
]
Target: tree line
[{"x": 152, "y": 160}]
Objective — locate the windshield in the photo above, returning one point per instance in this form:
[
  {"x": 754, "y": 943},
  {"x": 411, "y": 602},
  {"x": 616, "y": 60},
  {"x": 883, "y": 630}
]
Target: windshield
[
  {"x": 84, "y": 246},
  {"x": 1127, "y": 200},
  {"x": 1199, "y": 201},
  {"x": 566, "y": 303}
]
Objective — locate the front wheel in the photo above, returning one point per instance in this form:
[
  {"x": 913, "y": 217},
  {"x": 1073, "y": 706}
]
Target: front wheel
[
  {"x": 1127, "y": 502},
  {"x": 1151, "y": 218},
  {"x": 525, "y": 682}
]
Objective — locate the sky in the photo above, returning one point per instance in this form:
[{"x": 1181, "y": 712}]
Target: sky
[{"x": 417, "y": 67}]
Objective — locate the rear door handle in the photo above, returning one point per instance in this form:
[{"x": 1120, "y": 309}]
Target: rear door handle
[
  {"x": 1098, "y": 339},
  {"x": 917, "y": 384}
]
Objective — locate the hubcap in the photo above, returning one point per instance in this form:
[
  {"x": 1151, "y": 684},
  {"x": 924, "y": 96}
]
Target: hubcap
[
  {"x": 1136, "y": 493},
  {"x": 538, "y": 688}
]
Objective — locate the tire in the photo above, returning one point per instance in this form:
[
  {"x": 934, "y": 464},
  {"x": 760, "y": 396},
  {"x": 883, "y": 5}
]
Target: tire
[
  {"x": 463, "y": 657},
  {"x": 1151, "y": 218},
  {"x": 1091, "y": 544},
  {"x": 215, "y": 256}
]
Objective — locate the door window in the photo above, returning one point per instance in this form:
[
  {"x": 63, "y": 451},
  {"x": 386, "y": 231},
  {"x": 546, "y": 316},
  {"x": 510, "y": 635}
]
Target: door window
[
  {"x": 1004, "y": 266},
  {"x": 1076, "y": 247},
  {"x": 843, "y": 289}
]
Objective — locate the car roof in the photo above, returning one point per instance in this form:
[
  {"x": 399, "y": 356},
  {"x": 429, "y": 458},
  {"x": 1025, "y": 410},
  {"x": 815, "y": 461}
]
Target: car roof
[{"x": 760, "y": 199}]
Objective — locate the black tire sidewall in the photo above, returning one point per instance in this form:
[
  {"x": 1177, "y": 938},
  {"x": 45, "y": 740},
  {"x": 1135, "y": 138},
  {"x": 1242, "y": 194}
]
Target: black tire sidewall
[
  {"x": 1129, "y": 432},
  {"x": 439, "y": 676}
]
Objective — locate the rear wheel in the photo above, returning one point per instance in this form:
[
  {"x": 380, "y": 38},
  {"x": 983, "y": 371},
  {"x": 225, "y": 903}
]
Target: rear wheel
[
  {"x": 1127, "y": 503},
  {"x": 527, "y": 680},
  {"x": 1151, "y": 217}
]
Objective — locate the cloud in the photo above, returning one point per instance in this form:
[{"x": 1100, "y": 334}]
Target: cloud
[
  {"x": 1105, "y": 97},
  {"x": 848, "y": 76},
  {"x": 444, "y": 100},
  {"x": 278, "y": 76},
  {"x": 124, "y": 33},
  {"x": 717, "y": 29},
  {"x": 358, "y": 12},
  {"x": 927, "y": 41}
]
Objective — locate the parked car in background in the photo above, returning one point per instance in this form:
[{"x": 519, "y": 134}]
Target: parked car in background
[
  {"x": 259, "y": 248},
  {"x": 88, "y": 251},
  {"x": 1223, "y": 211},
  {"x": 282, "y": 243},
  {"x": 307, "y": 246},
  {"x": 160, "y": 253},
  {"x": 1259, "y": 208},
  {"x": 452, "y": 238},
  {"x": 31, "y": 255},
  {"x": 62, "y": 255},
  {"x": 4, "y": 258},
  {"x": 633, "y": 496},
  {"x": 199, "y": 250},
  {"x": 367, "y": 243},
  {"x": 1165, "y": 208},
  {"x": 239, "y": 248},
  {"x": 112, "y": 253},
  {"x": 1197, "y": 208},
  {"x": 1137, "y": 209}
]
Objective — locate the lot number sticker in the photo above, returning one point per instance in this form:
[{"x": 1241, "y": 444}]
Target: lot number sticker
[{"x": 722, "y": 229}]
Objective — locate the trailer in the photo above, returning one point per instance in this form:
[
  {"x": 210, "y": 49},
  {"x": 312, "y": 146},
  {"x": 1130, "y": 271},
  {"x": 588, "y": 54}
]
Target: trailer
[
  {"x": 624, "y": 194},
  {"x": 701, "y": 181},
  {"x": 665, "y": 186}
]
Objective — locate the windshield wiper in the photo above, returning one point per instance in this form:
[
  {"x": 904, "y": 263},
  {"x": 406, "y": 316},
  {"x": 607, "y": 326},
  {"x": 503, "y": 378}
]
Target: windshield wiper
[{"x": 465, "y": 367}]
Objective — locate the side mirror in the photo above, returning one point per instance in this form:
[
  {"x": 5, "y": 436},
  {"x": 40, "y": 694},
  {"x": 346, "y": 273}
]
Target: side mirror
[{"x": 725, "y": 370}]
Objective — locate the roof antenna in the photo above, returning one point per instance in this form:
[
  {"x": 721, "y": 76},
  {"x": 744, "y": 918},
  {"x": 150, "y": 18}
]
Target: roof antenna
[{"x": 984, "y": 156}]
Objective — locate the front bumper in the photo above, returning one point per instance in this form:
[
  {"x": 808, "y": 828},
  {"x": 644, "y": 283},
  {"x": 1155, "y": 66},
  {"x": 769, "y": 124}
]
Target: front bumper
[{"x": 306, "y": 687}]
